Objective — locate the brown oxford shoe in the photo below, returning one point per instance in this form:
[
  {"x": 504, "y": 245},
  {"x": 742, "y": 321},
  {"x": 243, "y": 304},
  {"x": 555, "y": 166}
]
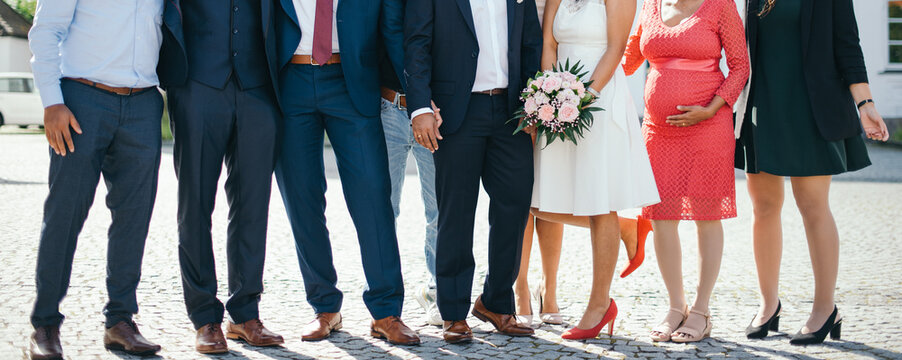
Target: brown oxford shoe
[
  {"x": 321, "y": 327},
  {"x": 504, "y": 323},
  {"x": 253, "y": 333},
  {"x": 394, "y": 330},
  {"x": 457, "y": 331},
  {"x": 124, "y": 336},
  {"x": 45, "y": 344},
  {"x": 210, "y": 340}
]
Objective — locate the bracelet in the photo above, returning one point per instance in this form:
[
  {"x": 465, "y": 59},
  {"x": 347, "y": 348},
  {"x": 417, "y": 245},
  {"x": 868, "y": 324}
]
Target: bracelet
[
  {"x": 593, "y": 92},
  {"x": 864, "y": 102}
]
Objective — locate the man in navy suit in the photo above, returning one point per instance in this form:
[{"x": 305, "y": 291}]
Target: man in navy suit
[
  {"x": 329, "y": 81},
  {"x": 217, "y": 64},
  {"x": 473, "y": 60}
]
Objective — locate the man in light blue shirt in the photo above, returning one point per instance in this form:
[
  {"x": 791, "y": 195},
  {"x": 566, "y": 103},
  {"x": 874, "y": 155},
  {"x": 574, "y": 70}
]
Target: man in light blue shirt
[{"x": 95, "y": 66}]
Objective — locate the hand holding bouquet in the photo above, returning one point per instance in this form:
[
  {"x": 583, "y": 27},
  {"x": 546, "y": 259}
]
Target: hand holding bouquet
[{"x": 557, "y": 103}]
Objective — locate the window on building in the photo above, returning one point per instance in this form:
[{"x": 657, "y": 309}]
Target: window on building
[{"x": 895, "y": 33}]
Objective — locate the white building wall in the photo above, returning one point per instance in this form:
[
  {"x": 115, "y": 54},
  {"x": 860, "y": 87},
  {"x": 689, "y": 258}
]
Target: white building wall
[{"x": 15, "y": 55}]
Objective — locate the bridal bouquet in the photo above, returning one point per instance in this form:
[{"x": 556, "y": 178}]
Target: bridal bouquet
[{"x": 557, "y": 103}]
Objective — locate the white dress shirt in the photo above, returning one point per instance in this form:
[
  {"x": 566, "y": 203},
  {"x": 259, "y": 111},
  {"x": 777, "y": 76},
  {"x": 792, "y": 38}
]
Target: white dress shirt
[
  {"x": 116, "y": 43},
  {"x": 306, "y": 10},
  {"x": 490, "y": 19}
]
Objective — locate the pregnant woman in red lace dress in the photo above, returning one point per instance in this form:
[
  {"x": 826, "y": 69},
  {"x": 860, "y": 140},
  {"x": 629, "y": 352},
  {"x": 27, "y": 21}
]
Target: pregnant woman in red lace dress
[{"x": 688, "y": 128}]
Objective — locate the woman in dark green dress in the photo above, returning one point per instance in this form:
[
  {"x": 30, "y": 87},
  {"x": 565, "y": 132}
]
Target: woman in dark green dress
[{"x": 801, "y": 121}]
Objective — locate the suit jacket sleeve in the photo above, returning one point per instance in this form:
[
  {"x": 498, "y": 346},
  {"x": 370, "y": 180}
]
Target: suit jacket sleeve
[
  {"x": 846, "y": 45},
  {"x": 418, "y": 53},
  {"x": 392, "y": 23},
  {"x": 532, "y": 42}
]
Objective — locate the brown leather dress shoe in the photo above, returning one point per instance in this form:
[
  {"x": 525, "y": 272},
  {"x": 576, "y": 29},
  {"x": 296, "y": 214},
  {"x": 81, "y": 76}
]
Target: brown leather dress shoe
[
  {"x": 125, "y": 336},
  {"x": 253, "y": 332},
  {"x": 504, "y": 323},
  {"x": 45, "y": 343},
  {"x": 457, "y": 331},
  {"x": 210, "y": 340},
  {"x": 321, "y": 327},
  {"x": 394, "y": 330}
]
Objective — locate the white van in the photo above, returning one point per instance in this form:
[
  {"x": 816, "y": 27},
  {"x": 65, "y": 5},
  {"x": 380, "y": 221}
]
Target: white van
[{"x": 20, "y": 103}]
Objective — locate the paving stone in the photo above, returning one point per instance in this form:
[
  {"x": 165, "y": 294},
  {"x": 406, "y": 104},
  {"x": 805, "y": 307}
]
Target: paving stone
[{"x": 867, "y": 206}]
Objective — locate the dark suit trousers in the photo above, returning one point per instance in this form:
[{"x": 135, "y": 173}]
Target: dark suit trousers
[
  {"x": 210, "y": 125},
  {"x": 315, "y": 100},
  {"x": 121, "y": 140},
  {"x": 482, "y": 149}
]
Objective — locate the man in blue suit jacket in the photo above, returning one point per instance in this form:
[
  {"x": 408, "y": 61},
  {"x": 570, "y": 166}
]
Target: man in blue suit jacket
[
  {"x": 473, "y": 60},
  {"x": 329, "y": 80},
  {"x": 217, "y": 64}
]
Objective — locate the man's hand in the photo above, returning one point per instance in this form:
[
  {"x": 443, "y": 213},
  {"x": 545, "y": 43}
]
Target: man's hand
[
  {"x": 425, "y": 130},
  {"x": 57, "y": 120}
]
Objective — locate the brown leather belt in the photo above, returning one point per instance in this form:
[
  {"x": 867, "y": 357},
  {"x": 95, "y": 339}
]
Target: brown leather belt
[
  {"x": 308, "y": 60},
  {"x": 493, "y": 92},
  {"x": 124, "y": 91},
  {"x": 397, "y": 99}
]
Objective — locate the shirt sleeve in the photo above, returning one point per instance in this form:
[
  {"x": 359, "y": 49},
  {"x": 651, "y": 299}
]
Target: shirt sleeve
[
  {"x": 419, "y": 112},
  {"x": 732, "y": 37},
  {"x": 632, "y": 56},
  {"x": 51, "y": 26}
]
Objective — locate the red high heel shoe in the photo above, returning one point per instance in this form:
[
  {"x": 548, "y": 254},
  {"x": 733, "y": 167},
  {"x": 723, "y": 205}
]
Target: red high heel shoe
[
  {"x": 643, "y": 227},
  {"x": 608, "y": 319}
]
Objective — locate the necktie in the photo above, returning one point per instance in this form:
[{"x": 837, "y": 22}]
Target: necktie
[{"x": 322, "y": 32}]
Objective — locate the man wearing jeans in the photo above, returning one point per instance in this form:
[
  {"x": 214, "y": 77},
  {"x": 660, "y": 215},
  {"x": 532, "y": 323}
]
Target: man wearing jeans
[
  {"x": 400, "y": 142},
  {"x": 95, "y": 66}
]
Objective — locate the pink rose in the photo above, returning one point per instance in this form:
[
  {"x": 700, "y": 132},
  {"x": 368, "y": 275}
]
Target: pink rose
[
  {"x": 546, "y": 113},
  {"x": 552, "y": 83},
  {"x": 568, "y": 113},
  {"x": 569, "y": 77},
  {"x": 541, "y": 98},
  {"x": 576, "y": 85},
  {"x": 530, "y": 106},
  {"x": 537, "y": 83}
]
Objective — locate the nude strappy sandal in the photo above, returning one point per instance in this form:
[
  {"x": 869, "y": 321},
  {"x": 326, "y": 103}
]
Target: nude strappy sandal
[
  {"x": 664, "y": 330},
  {"x": 686, "y": 334}
]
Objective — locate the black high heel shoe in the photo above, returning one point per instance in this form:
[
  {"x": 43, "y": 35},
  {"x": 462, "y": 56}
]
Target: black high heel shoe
[
  {"x": 772, "y": 324},
  {"x": 832, "y": 326}
]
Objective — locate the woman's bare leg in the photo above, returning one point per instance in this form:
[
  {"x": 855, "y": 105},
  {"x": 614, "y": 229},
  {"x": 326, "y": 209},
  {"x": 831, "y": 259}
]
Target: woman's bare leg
[
  {"x": 550, "y": 241},
  {"x": 812, "y": 197},
  {"x": 766, "y": 191},
  {"x": 670, "y": 263},
  {"x": 521, "y": 286},
  {"x": 605, "y": 245}
]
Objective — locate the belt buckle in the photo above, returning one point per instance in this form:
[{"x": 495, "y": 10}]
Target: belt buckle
[
  {"x": 397, "y": 101},
  {"x": 313, "y": 61}
]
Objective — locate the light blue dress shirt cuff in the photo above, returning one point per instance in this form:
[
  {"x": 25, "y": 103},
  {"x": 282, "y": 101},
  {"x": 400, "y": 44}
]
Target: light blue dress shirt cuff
[
  {"x": 51, "y": 94},
  {"x": 421, "y": 111}
]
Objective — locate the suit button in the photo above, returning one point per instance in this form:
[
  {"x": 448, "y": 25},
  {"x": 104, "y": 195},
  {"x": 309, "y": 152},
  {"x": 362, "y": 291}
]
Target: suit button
[
  {"x": 235, "y": 31},
  {"x": 234, "y": 54},
  {"x": 235, "y": 9},
  {"x": 475, "y": 54}
]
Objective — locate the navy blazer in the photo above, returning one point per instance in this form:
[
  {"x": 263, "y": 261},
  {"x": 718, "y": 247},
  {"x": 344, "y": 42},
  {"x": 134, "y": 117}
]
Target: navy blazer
[
  {"x": 173, "y": 66},
  {"x": 360, "y": 24},
  {"x": 442, "y": 50},
  {"x": 832, "y": 60}
]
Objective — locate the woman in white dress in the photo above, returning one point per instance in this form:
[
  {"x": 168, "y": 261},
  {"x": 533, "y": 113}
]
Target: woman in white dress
[{"x": 609, "y": 170}]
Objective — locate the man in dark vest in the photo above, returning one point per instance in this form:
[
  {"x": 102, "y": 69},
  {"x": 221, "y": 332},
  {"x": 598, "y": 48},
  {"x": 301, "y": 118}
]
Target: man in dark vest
[{"x": 217, "y": 65}]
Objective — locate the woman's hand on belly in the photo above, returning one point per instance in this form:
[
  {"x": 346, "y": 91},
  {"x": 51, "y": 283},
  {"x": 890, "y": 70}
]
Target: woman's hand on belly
[{"x": 695, "y": 114}]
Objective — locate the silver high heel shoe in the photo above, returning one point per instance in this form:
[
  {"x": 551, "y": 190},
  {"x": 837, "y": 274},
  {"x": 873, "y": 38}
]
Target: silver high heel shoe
[{"x": 548, "y": 318}]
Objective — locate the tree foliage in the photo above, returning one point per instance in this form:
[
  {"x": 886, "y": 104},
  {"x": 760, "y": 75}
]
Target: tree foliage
[{"x": 24, "y": 7}]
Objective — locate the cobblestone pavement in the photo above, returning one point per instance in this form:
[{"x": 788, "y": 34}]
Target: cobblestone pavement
[{"x": 867, "y": 205}]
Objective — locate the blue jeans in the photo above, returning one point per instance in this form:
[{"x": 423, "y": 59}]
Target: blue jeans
[
  {"x": 121, "y": 140},
  {"x": 400, "y": 142}
]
